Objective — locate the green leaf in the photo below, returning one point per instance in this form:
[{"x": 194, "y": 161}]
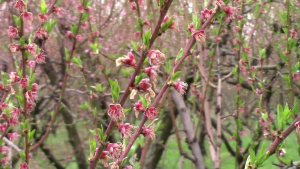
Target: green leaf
[
  {"x": 74, "y": 29},
  {"x": 286, "y": 161},
  {"x": 50, "y": 25},
  {"x": 92, "y": 147},
  {"x": 5, "y": 80},
  {"x": 99, "y": 87},
  {"x": 138, "y": 79},
  {"x": 146, "y": 37},
  {"x": 85, "y": 105},
  {"x": 196, "y": 21},
  {"x": 215, "y": 31},
  {"x": 175, "y": 76},
  {"x": 165, "y": 26},
  {"x": 252, "y": 155},
  {"x": 57, "y": 2},
  {"x": 77, "y": 61},
  {"x": 85, "y": 3},
  {"x": 292, "y": 43},
  {"x": 123, "y": 162},
  {"x": 17, "y": 20},
  {"x": 262, "y": 53},
  {"x": 133, "y": 45},
  {"x": 22, "y": 155},
  {"x": 179, "y": 55},
  {"x": 295, "y": 67},
  {"x": 247, "y": 162},
  {"x": 144, "y": 101},
  {"x": 22, "y": 41},
  {"x": 67, "y": 54},
  {"x": 287, "y": 80},
  {"x": 261, "y": 152},
  {"x": 31, "y": 134},
  {"x": 283, "y": 16},
  {"x": 115, "y": 89},
  {"x": 43, "y": 7}
]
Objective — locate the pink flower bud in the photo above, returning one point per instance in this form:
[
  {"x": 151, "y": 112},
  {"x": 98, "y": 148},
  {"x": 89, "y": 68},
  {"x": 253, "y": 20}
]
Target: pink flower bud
[
  {"x": 148, "y": 131},
  {"x": 31, "y": 48},
  {"x": 80, "y": 8},
  {"x": 206, "y": 13},
  {"x": 172, "y": 25},
  {"x": 217, "y": 39},
  {"x": 152, "y": 73},
  {"x": 41, "y": 33},
  {"x": 114, "y": 150},
  {"x": 191, "y": 28},
  {"x": 27, "y": 16},
  {"x": 240, "y": 17},
  {"x": 31, "y": 64},
  {"x": 34, "y": 87},
  {"x": 88, "y": 9},
  {"x": 14, "y": 47},
  {"x": 230, "y": 13},
  {"x": 23, "y": 166},
  {"x": 125, "y": 130},
  {"x": 59, "y": 11},
  {"x": 294, "y": 34},
  {"x": 20, "y": 5},
  {"x": 238, "y": 87},
  {"x": 199, "y": 36},
  {"x": 12, "y": 31},
  {"x": 40, "y": 58},
  {"x": 85, "y": 25},
  {"x": 13, "y": 136},
  {"x": 128, "y": 60},
  {"x": 137, "y": 34},
  {"x": 151, "y": 113},
  {"x": 23, "y": 82},
  {"x": 146, "y": 22},
  {"x": 13, "y": 77},
  {"x": 156, "y": 57},
  {"x": 69, "y": 34},
  {"x": 180, "y": 87},
  {"x": 115, "y": 112},
  {"x": 296, "y": 76},
  {"x": 78, "y": 38},
  {"x": 236, "y": 29},
  {"x": 43, "y": 17},
  {"x": 133, "y": 7}
]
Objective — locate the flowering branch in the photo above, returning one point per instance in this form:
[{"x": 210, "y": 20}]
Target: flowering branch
[{"x": 62, "y": 90}]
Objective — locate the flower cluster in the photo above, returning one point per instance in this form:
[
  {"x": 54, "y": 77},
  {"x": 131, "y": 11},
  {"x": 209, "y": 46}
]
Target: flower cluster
[{"x": 198, "y": 34}]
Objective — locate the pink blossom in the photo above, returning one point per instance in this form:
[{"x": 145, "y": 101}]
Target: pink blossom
[
  {"x": 128, "y": 167},
  {"x": 27, "y": 16},
  {"x": 43, "y": 17},
  {"x": 88, "y": 9},
  {"x": 247, "y": 50},
  {"x": 13, "y": 120},
  {"x": 148, "y": 131},
  {"x": 236, "y": 41},
  {"x": 296, "y": 76},
  {"x": 31, "y": 48},
  {"x": 91, "y": 18},
  {"x": 41, "y": 33},
  {"x": 232, "y": 138},
  {"x": 13, "y": 136},
  {"x": 116, "y": 112},
  {"x": 217, "y": 39},
  {"x": 128, "y": 60},
  {"x": 104, "y": 158},
  {"x": 4, "y": 150},
  {"x": 4, "y": 105},
  {"x": 59, "y": 11},
  {"x": 85, "y": 25},
  {"x": 144, "y": 85},
  {"x": 4, "y": 161},
  {"x": 151, "y": 113},
  {"x": 69, "y": 34},
  {"x": 258, "y": 91},
  {"x": 78, "y": 38},
  {"x": 133, "y": 7},
  {"x": 242, "y": 133},
  {"x": 23, "y": 82},
  {"x": 146, "y": 22},
  {"x": 250, "y": 80},
  {"x": 13, "y": 77},
  {"x": 199, "y": 36},
  {"x": 31, "y": 64},
  {"x": 230, "y": 13},
  {"x": 172, "y": 25},
  {"x": 125, "y": 130},
  {"x": 34, "y": 87},
  {"x": 240, "y": 17},
  {"x": 156, "y": 57},
  {"x": 114, "y": 150},
  {"x": 243, "y": 70},
  {"x": 3, "y": 127},
  {"x": 253, "y": 68},
  {"x": 30, "y": 106},
  {"x": 30, "y": 95},
  {"x": 241, "y": 150},
  {"x": 12, "y": 31},
  {"x": 236, "y": 29},
  {"x": 257, "y": 110},
  {"x": 40, "y": 58},
  {"x": 238, "y": 87},
  {"x": 80, "y": 8},
  {"x": 123, "y": 13},
  {"x": 235, "y": 51},
  {"x": 294, "y": 34},
  {"x": 152, "y": 73},
  {"x": 297, "y": 124},
  {"x": 23, "y": 166},
  {"x": 220, "y": 3},
  {"x": 20, "y": 5},
  {"x": 16, "y": 111},
  {"x": 191, "y": 28},
  {"x": 14, "y": 47},
  {"x": 137, "y": 34},
  {"x": 138, "y": 106},
  {"x": 180, "y": 87},
  {"x": 242, "y": 109},
  {"x": 206, "y": 13}
]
